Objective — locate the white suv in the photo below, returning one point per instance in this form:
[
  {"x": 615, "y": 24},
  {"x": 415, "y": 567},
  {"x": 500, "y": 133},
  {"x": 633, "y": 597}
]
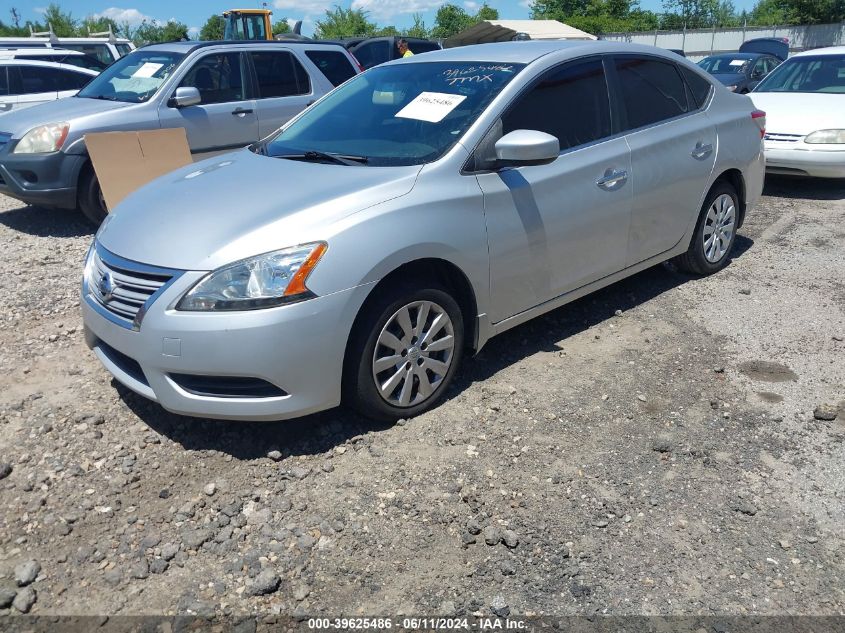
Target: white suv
[{"x": 25, "y": 83}]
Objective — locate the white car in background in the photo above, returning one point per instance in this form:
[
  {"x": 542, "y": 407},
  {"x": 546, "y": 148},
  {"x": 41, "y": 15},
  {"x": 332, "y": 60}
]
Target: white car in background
[
  {"x": 804, "y": 101},
  {"x": 25, "y": 83}
]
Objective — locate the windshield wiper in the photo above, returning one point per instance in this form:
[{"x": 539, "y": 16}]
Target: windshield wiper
[
  {"x": 340, "y": 159},
  {"x": 103, "y": 97}
]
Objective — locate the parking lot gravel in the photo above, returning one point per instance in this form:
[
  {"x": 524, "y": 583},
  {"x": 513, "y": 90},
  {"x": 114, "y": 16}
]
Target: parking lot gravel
[{"x": 669, "y": 445}]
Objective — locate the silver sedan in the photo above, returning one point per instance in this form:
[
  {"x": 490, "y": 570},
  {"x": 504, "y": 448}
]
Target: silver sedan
[{"x": 410, "y": 215}]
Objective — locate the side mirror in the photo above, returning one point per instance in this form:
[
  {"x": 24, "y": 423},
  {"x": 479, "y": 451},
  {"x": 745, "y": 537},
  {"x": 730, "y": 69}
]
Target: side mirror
[
  {"x": 527, "y": 147},
  {"x": 184, "y": 97}
]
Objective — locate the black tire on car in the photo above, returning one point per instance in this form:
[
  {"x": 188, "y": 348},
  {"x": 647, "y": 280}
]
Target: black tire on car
[
  {"x": 715, "y": 233},
  {"x": 91, "y": 200},
  {"x": 370, "y": 364}
]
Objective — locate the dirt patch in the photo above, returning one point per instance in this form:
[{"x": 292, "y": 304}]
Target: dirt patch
[{"x": 767, "y": 371}]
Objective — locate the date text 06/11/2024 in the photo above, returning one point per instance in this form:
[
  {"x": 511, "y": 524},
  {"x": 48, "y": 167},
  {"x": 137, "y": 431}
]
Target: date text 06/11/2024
[{"x": 420, "y": 624}]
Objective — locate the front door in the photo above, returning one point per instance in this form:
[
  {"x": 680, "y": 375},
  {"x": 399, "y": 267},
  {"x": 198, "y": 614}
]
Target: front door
[
  {"x": 673, "y": 150},
  {"x": 224, "y": 119},
  {"x": 553, "y": 228}
]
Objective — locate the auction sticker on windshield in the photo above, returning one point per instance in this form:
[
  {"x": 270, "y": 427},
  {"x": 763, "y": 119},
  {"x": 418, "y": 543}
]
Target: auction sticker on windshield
[
  {"x": 148, "y": 69},
  {"x": 430, "y": 106}
]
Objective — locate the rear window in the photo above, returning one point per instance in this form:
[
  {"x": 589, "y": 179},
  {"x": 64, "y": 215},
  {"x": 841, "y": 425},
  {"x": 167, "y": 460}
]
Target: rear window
[
  {"x": 371, "y": 54},
  {"x": 699, "y": 87},
  {"x": 99, "y": 51},
  {"x": 652, "y": 90},
  {"x": 333, "y": 64},
  {"x": 422, "y": 47}
]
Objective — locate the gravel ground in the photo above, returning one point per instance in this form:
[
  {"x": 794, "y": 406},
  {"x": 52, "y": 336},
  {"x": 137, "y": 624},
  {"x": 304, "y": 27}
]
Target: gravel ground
[{"x": 669, "y": 445}]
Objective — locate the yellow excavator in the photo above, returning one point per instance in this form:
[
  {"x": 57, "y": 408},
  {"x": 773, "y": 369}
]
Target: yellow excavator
[{"x": 253, "y": 24}]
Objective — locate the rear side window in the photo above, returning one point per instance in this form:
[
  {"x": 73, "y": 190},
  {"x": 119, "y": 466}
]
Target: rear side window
[
  {"x": 570, "y": 103},
  {"x": 218, "y": 77},
  {"x": 698, "y": 86},
  {"x": 652, "y": 90},
  {"x": 372, "y": 54},
  {"x": 333, "y": 64},
  {"x": 279, "y": 74}
]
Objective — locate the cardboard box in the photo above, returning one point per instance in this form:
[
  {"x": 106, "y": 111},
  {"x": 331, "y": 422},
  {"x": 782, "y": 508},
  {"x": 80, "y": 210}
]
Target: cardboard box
[{"x": 124, "y": 161}]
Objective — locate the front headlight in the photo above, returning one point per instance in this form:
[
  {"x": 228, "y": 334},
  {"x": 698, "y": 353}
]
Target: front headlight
[
  {"x": 43, "y": 139},
  {"x": 826, "y": 136},
  {"x": 263, "y": 281}
]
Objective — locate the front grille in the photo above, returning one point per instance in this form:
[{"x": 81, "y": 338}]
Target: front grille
[
  {"x": 122, "y": 288},
  {"x": 227, "y": 386},
  {"x": 783, "y": 138}
]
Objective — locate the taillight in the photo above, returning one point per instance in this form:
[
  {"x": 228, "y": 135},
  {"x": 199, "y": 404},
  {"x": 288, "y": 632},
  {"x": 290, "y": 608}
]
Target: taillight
[{"x": 759, "y": 117}]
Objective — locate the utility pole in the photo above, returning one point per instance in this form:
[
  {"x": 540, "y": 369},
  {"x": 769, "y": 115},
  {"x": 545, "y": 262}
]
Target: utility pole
[{"x": 16, "y": 17}]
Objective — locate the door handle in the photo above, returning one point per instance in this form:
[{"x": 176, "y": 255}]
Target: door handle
[
  {"x": 240, "y": 111},
  {"x": 702, "y": 151},
  {"x": 612, "y": 179}
]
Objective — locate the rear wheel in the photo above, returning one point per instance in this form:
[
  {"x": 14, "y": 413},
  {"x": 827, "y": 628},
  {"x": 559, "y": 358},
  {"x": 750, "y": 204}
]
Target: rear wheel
[
  {"x": 91, "y": 200},
  {"x": 404, "y": 351},
  {"x": 715, "y": 233}
]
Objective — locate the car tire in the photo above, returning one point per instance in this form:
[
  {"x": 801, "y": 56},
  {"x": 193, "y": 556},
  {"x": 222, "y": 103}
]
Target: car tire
[
  {"x": 715, "y": 232},
  {"x": 387, "y": 382},
  {"x": 91, "y": 200}
]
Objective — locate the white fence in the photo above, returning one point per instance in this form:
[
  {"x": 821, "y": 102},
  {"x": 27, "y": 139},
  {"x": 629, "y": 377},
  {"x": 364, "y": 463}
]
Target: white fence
[{"x": 698, "y": 43}]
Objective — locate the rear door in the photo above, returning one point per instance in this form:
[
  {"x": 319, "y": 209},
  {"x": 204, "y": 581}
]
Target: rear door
[
  {"x": 225, "y": 118},
  {"x": 553, "y": 228},
  {"x": 673, "y": 150},
  {"x": 283, "y": 88}
]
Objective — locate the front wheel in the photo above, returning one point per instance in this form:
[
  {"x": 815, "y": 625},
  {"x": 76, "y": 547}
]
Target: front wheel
[
  {"x": 404, "y": 351},
  {"x": 715, "y": 233},
  {"x": 91, "y": 200}
]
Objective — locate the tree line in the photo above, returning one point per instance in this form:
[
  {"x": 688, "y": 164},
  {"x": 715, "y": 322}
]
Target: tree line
[{"x": 593, "y": 16}]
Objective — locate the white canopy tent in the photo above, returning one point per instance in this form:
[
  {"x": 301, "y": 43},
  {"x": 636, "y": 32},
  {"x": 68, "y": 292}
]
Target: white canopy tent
[{"x": 505, "y": 30}]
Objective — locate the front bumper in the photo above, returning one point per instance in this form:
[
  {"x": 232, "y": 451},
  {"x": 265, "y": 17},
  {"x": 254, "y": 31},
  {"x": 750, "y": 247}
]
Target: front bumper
[
  {"x": 298, "y": 348},
  {"x": 41, "y": 179},
  {"x": 801, "y": 159}
]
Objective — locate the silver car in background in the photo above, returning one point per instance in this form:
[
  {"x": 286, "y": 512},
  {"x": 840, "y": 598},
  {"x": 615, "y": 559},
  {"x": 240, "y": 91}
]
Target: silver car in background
[
  {"x": 409, "y": 216},
  {"x": 225, "y": 95}
]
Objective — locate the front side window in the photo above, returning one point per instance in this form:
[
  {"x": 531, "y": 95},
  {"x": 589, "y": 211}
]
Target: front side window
[
  {"x": 98, "y": 51},
  {"x": 279, "y": 74},
  {"x": 570, "y": 103},
  {"x": 134, "y": 78},
  {"x": 373, "y": 53},
  {"x": 35, "y": 79},
  {"x": 333, "y": 64},
  {"x": 218, "y": 77},
  {"x": 652, "y": 90},
  {"x": 817, "y": 73},
  {"x": 396, "y": 115}
]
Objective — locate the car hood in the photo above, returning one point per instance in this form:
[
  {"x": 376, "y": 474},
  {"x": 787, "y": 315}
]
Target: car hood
[
  {"x": 241, "y": 204},
  {"x": 800, "y": 113},
  {"x": 19, "y": 122},
  {"x": 730, "y": 79}
]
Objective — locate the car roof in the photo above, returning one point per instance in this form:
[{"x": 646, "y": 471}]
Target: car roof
[
  {"x": 189, "y": 46},
  {"x": 830, "y": 50},
  {"x": 45, "y": 63},
  {"x": 528, "y": 51},
  {"x": 39, "y": 52}
]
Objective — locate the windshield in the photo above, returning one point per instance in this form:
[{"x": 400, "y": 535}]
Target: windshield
[
  {"x": 822, "y": 73},
  {"x": 403, "y": 114},
  {"x": 134, "y": 78},
  {"x": 724, "y": 64}
]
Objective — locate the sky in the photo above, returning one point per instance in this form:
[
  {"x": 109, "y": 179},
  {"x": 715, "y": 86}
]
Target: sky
[{"x": 194, "y": 13}]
